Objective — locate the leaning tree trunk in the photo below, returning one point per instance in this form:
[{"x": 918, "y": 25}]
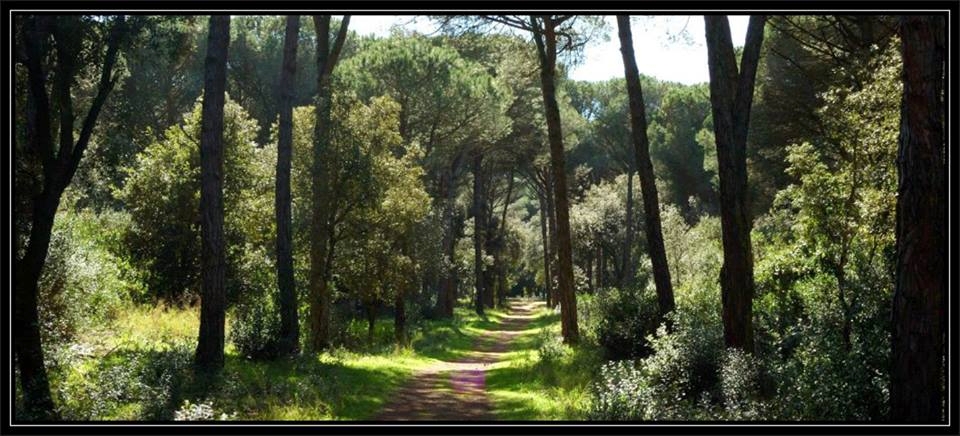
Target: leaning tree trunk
[
  {"x": 648, "y": 187},
  {"x": 213, "y": 255},
  {"x": 321, "y": 231},
  {"x": 547, "y": 47},
  {"x": 58, "y": 171},
  {"x": 731, "y": 94},
  {"x": 286, "y": 284},
  {"x": 917, "y": 378}
]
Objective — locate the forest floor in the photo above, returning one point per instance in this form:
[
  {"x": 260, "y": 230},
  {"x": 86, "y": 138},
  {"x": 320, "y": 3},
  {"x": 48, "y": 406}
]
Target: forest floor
[
  {"x": 457, "y": 389},
  {"x": 506, "y": 365}
]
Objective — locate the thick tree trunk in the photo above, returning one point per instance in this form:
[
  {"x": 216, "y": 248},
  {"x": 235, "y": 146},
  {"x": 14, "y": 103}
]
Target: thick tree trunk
[
  {"x": 917, "y": 378},
  {"x": 27, "y": 344},
  {"x": 213, "y": 255},
  {"x": 478, "y": 233},
  {"x": 731, "y": 95},
  {"x": 648, "y": 187},
  {"x": 321, "y": 228},
  {"x": 286, "y": 285},
  {"x": 546, "y": 43}
]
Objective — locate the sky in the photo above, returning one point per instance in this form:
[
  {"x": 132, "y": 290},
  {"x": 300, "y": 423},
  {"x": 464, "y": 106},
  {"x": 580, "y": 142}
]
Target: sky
[{"x": 669, "y": 48}]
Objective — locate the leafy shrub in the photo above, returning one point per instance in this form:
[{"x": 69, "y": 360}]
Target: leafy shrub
[
  {"x": 203, "y": 411},
  {"x": 550, "y": 347},
  {"x": 162, "y": 194},
  {"x": 621, "y": 320},
  {"x": 83, "y": 283},
  {"x": 129, "y": 384},
  {"x": 255, "y": 326},
  {"x": 617, "y": 393},
  {"x": 741, "y": 386}
]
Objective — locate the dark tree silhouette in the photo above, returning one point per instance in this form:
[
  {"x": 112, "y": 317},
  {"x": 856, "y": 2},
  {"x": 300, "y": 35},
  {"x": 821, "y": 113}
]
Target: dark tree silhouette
[
  {"x": 648, "y": 188},
  {"x": 286, "y": 284},
  {"x": 731, "y": 94},
  {"x": 919, "y": 301},
  {"x": 58, "y": 168},
  {"x": 321, "y": 233},
  {"x": 212, "y": 254}
]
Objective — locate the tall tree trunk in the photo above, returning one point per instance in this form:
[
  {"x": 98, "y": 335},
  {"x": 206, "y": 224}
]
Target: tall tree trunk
[
  {"x": 502, "y": 247},
  {"x": 286, "y": 285},
  {"x": 444, "y": 301},
  {"x": 213, "y": 255},
  {"x": 917, "y": 379},
  {"x": 58, "y": 171},
  {"x": 478, "y": 233},
  {"x": 731, "y": 94},
  {"x": 627, "y": 268},
  {"x": 547, "y": 277},
  {"x": 321, "y": 230},
  {"x": 648, "y": 187},
  {"x": 552, "y": 236},
  {"x": 547, "y": 47}
]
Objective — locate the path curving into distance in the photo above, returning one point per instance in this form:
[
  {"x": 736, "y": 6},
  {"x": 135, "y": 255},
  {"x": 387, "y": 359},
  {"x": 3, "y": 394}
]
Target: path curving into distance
[{"x": 456, "y": 390}]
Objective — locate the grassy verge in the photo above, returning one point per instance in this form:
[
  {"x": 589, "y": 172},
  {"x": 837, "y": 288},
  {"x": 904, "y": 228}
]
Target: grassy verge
[
  {"x": 541, "y": 379},
  {"x": 139, "y": 367}
]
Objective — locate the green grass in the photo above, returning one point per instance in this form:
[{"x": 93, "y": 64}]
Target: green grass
[
  {"x": 139, "y": 366},
  {"x": 526, "y": 387}
]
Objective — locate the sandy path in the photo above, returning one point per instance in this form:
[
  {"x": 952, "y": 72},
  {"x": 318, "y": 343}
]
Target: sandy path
[{"x": 456, "y": 390}]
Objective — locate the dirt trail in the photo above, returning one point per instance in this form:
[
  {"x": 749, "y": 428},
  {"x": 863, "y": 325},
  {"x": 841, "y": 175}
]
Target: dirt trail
[{"x": 456, "y": 390}]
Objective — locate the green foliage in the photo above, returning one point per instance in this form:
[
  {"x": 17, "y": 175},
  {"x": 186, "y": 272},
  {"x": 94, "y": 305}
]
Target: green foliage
[
  {"x": 85, "y": 281},
  {"x": 199, "y": 412},
  {"x": 620, "y": 320},
  {"x": 162, "y": 193},
  {"x": 679, "y": 151}
]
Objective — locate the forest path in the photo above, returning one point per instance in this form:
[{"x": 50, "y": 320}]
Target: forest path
[{"x": 456, "y": 390}]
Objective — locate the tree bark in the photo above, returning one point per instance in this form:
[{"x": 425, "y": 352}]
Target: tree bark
[
  {"x": 213, "y": 255},
  {"x": 731, "y": 94},
  {"x": 547, "y": 278},
  {"x": 546, "y": 45},
  {"x": 321, "y": 231},
  {"x": 502, "y": 247},
  {"x": 478, "y": 226},
  {"x": 627, "y": 267},
  {"x": 209, "y": 353},
  {"x": 552, "y": 236},
  {"x": 917, "y": 378},
  {"x": 286, "y": 284},
  {"x": 648, "y": 187}
]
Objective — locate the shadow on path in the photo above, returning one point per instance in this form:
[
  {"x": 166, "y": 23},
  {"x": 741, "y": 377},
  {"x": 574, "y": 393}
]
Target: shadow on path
[{"x": 456, "y": 390}]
